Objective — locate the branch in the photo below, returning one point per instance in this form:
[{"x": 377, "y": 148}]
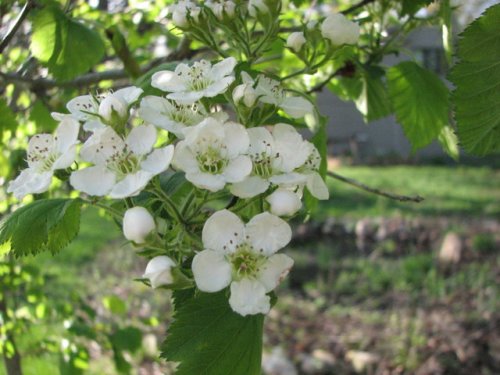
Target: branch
[
  {"x": 357, "y": 6},
  {"x": 348, "y": 70},
  {"x": 397, "y": 197},
  {"x": 17, "y": 23}
]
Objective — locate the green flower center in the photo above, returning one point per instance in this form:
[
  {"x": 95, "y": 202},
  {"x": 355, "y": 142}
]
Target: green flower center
[
  {"x": 211, "y": 160},
  {"x": 124, "y": 164},
  {"x": 246, "y": 262}
]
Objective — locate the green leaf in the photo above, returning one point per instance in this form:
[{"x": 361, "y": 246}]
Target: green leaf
[
  {"x": 449, "y": 142},
  {"x": 476, "y": 98},
  {"x": 40, "y": 115},
  {"x": 115, "y": 304},
  {"x": 410, "y": 7},
  {"x": 66, "y": 46},
  {"x": 128, "y": 338},
  {"x": 7, "y": 118},
  {"x": 209, "y": 338},
  {"x": 44, "y": 225},
  {"x": 420, "y": 101},
  {"x": 373, "y": 102}
]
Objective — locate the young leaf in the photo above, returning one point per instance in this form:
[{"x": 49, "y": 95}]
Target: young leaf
[
  {"x": 420, "y": 101},
  {"x": 208, "y": 337},
  {"x": 449, "y": 142},
  {"x": 373, "y": 102},
  {"x": 476, "y": 98},
  {"x": 44, "y": 225}
]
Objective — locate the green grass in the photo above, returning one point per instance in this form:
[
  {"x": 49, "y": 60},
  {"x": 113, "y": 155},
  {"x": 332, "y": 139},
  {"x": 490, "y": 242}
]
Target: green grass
[{"x": 459, "y": 191}]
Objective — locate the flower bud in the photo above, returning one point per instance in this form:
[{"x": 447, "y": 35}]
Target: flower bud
[
  {"x": 284, "y": 202},
  {"x": 256, "y": 6},
  {"x": 159, "y": 271},
  {"x": 295, "y": 41},
  {"x": 340, "y": 30},
  {"x": 138, "y": 224},
  {"x": 113, "y": 110},
  {"x": 246, "y": 93},
  {"x": 221, "y": 7},
  {"x": 180, "y": 12}
]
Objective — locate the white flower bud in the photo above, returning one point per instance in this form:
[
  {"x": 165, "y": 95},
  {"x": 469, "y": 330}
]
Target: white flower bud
[
  {"x": 284, "y": 202},
  {"x": 113, "y": 110},
  {"x": 180, "y": 11},
  {"x": 311, "y": 24},
  {"x": 137, "y": 224},
  {"x": 229, "y": 8},
  {"x": 296, "y": 40},
  {"x": 340, "y": 30},
  {"x": 256, "y": 6},
  {"x": 246, "y": 93},
  {"x": 221, "y": 7},
  {"x": 159, "y": 271}
]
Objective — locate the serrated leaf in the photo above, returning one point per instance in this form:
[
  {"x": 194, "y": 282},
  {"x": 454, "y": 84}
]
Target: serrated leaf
[
  {"x": 373, "y": 102},
  {"x": 44, "y": 225},
  {"x": 66, "y": 46},
  {"x": 476, "y": 98},
  {"x": 40, "y": 115},
  {"x": 410, "y": 7},
  {"x": 209, "y": 338},
  {"x": 449, "y": 142},
  {"x": 7, "y": 118},
  {"x": 420, "y": 102}
]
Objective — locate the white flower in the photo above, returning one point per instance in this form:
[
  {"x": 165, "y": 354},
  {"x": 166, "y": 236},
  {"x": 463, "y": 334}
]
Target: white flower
[
  {"x": 181, "y": 10},
  {"x": 122, "y": 167},
  {"x": 275, "y": 157},
  {"x": 269, "y": 91},
  {"x": 96, "y": 111},
  {"x": 257, "y": 6},
  {"x": 221, "y": 7},
  {"x": 213, "y": 154},
  {"x": 46, "y": 153},
  {"x": 243, "y": 256},
  {"x": 187, "y": 84},
  {"x": 159, "y": 271},
  {"x": 138, "y": 224},
  {"x": 246, "y": 93},
  {"x": 340, "y": 30},
  {"x": 284, "y": 202},
  {"x": 296, "y": 40}
]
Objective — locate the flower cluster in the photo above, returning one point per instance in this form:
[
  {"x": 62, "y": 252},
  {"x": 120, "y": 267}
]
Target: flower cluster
[{"x": 231, "y": 151}]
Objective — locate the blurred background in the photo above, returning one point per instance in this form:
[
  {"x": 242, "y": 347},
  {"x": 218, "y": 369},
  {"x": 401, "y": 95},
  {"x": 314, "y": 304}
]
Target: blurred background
[{"x": 379, "y": 286}]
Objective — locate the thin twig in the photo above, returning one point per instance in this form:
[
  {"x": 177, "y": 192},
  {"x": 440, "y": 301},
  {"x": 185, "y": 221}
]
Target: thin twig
[
  {"x": 17, "y": 23},
  {"x": 357, "y": 6},
  {"x": 360, "y": 185},
  {"x": 322, "y": 84}
]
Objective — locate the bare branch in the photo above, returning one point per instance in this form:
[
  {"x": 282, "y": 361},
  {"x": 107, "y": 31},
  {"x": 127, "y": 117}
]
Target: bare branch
[
  {"x": 17, "y": 23},
  {"x": 357, "y": 6},
  {"x": 360, "y": 185}
]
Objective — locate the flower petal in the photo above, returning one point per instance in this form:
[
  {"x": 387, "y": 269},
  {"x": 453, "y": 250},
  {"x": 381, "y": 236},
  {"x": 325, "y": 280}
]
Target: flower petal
[
  {"x": 159, "y": 160},
  {"x": 128, "y": 94},
  {"x": 101, "y": 146},
  {"x": 96, "y": 180},
  {"x": 141, "y": 139},
  {"x": 248, "y": 297},
  {"x": 297, "y": 106},
  {"x": 186, "y": 97},
  {"x": 249, "y": 187},
  {"x": 40, "y": 146},
  {"x": 168, "y": 81},
  {"x": 207, "y": 181},
  {"x": 223, "y": 68},
  {"x": 261, "y": 141},
  {"x": 238, "y": 168},
  {"x": 66, "y": 134},
  {"x": 211, "y": 271},
  {"x": 289, "y": 179},
  {"x": 158, "y": 271},
  {"x": 66, "y": 159},
  {"x": 184, "y": 158},
  {"x": 80, "y": 105},
  {"x": 223, "y": 231},
  {"x": 275, "y": 270},
  {"x": 284, "y": 202},
  {"x": 131, "y": 185},
  {"x": 290, "y": 145},
  {"x": 268, "y": 233},
  {"x": 317, "y": 186},
  {"x": 30, "y": 182},
  {"x": 236, "y": 139},
  {"x": 218, "y": 87}
]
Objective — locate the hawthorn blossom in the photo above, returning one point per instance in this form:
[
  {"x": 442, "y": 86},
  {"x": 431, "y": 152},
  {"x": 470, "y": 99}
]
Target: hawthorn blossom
[
  {"x": 187, "y": 84},
  {"x": 46, "y": 153},
  {"x": 213, "y": 154},
  {"x": 182, "y": 11},
  {"x": 296, "y": 40},
  {"x": 339, "y": 30},
  {"x": 159, "y": 271},
  {"x": 244, "y": 257},
  {"x": 96, "y": 111},
  {"x": 269, "y": 91},
  {"x": 245, "y": 93},
  {"x": 275, "y": 155},
  {"x": 122, "y": 167},
  {"x": 257, "y": 6},
  {"x": 284, "y": 202},
  {"x": 221, "y": 8},
  {"x": 138, "y": 224}
]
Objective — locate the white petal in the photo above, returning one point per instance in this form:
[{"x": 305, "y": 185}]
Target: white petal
[
  {"x": 128, "y": 94},
  {"x": 101, "y": 146},
  {"x": 246, "y": 78},
  {"x": 275, "y": 270},
  {"x": 159, "y": 160},
  {"x": 186, "y": 97},
  {"x": 158, "y": 271},
  {"x": 248, "y": 297},
  {"x": 168, "y": 81},
  {"x": 223, "y": 231},
  {"x": 207, "y": 181},
  {"x": 67, "y": 134},
  {"x": 261, "y": 141},
  {"x": 96, "y": 180},
  {"x": 236, "y": 139},
  {"x": 290, "y": 145},
  {"x": 80, "y": 105},
  {"x": 218, "y": 87},
  {"x": 223, "y": 68},
  {"x": 211, "y": 271},
  {"x": 249, "y": 187},
  {"x": 184, "y": 158},
  {"x": 93, "y": 125},
  {"x": 30, "y": 182},
  {"x": 317, "y": 186},
  {"x": 297, "y": 106},
  {"x": 289, "y": 179},
  {"x": 238, "y": 169},
  {"x": 268, "y": 233},
  {"x": 137, "y": 224},
  {"x": 66, "y": 159},
  {"x": 141, "y": 139},
  {"x": 40, "y": 146},
  {"x": 131, "y": 185},
  {"x": 284, "y": 202}
]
